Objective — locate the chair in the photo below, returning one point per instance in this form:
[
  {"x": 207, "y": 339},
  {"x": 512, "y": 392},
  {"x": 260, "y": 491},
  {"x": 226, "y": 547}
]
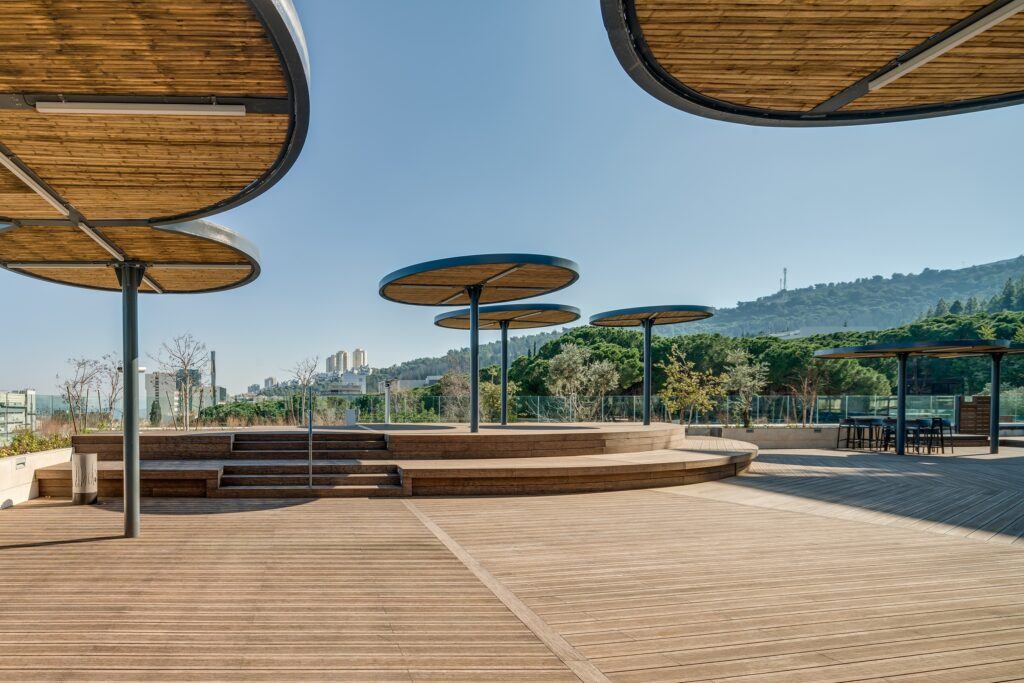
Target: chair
[{"x": 849, "y": 424}]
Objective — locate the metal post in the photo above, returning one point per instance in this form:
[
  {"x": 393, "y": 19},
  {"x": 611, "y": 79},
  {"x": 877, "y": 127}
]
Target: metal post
[
  {"x": 648, "y": 327},
  {"x": 213, "y": 376},
  {"x": 130, "y": 276},
  {"x": 901, "y": 404},
  {"x": 387, "y": 401},
  {"x": 993, "y": 416},
  {"x": 474, "y": 357},
  {"x": 504, "y": 371},
  {"x": 309, "y": 433}
]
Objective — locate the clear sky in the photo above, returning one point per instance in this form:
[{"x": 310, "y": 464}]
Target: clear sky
[{"x": 459, "y": 127}]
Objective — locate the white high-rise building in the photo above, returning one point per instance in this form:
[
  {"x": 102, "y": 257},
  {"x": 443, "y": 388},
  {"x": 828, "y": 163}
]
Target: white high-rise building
[
  {"x": 359, "y": 359},
  {"x": 270, "y": 382},
  {"x": 162, "y": 400},
  {"x": 331, "y": 363},
  {"x": 341, "y": 361}
]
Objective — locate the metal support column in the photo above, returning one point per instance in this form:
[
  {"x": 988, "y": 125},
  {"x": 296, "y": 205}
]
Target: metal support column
[
  {"x": 130, "y": 274},
  {"x": 474, "y": 357},
  {"x": 993, "y": 417},
  {"x": 901, "y": 404},
  {"x": 648, "y": 327},
  {"x": 504, "y": 371},
  {"x": 309, "y": 432}
]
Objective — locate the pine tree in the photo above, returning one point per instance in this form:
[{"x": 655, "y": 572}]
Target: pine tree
[
  {"x": 941, "y": 308},
  {"x": 957, "y": 308}
]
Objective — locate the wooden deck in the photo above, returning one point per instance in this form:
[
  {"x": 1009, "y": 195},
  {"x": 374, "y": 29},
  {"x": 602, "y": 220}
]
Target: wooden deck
[{"x": 799, "y": 571}]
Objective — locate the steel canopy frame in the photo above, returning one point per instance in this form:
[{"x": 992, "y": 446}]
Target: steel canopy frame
[
  {"x": 474, "y": 290},
  {"x": 506, "y": 315},
  {"x": 130, "y": 276},
  {"x": 647, "y": 317},
  {"x": 995, "y": 349},
  {"x": 630, "y": 47}
]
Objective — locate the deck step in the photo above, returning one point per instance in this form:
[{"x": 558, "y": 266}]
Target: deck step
[
  {"x": 368, "y": 491},
  {"x": 318, "y": 445},
  {"x": 255, "y": 437},
  {"x": 348, "y": 479},
  {"x": 317, "y": 454},
  {"x": 303, "y": 468}
]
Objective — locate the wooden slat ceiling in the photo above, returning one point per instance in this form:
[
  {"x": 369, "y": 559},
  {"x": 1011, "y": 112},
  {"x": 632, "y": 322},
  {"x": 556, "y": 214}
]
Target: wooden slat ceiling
[
  {"x": 115, "y": 167},
  {"x": 989, "y": 64},
  {"x": 952, "y": 349},
  {"x": 145, "y": 47},
  {"x": 60, "y": 244},
  {"x": 518, "y": 320},
  {"x": 793, "y": 55},
  {"x": 446, "y": 286},
  {"x": 146, "y": 168}
]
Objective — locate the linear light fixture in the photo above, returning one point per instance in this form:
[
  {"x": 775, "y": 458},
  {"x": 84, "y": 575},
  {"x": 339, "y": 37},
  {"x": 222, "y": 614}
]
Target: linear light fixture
[
  {"x": 9, "y": 164},
  {"x": 201, "y": 266},
  {"x": 943, "y": 46},
  {"x": 140, "y": 109},
  {"x": 502, "y": 274}
]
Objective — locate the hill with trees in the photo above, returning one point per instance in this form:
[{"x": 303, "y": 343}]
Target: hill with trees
[{"x": 865, "y": 304}]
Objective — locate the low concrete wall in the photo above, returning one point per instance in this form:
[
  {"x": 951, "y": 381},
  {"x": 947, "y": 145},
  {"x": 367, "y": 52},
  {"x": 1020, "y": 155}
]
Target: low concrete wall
[
  {"x": 18, "y": 474},
  {"x": 776, "y": 437}
]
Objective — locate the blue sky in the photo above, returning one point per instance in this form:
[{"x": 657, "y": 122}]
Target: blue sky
[{"x": 459, "y": 127}]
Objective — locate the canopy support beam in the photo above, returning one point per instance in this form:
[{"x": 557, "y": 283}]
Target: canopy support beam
[
  {"x": 994, "y": 410},
  {"x": 901, "y": 403},
  {"x": 130, "y": 275},
  {"x": 473, "y": 292},
  {"x": 648, "y": 329},
  {"x": 504, "y": 371}
]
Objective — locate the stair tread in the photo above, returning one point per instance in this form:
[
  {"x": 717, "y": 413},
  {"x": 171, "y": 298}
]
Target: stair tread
[{"x": 354, "y": 487}]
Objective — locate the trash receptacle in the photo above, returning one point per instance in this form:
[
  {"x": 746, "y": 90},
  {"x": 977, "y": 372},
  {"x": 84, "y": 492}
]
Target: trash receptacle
[{"x": 85, "y": 483}]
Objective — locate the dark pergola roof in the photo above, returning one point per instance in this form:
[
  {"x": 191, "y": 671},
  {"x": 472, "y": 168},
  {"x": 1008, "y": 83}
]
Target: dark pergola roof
[
  {"x": 135, "y": 113},
  {"x": 502, "y": 277},
  {"x": 936, "y": 349},
  {"x": 517, "y": 316},
  {"x": 658, "y": 315},
  {"x": 191, "y": 257},
  {"x": 831, "y": 62}
]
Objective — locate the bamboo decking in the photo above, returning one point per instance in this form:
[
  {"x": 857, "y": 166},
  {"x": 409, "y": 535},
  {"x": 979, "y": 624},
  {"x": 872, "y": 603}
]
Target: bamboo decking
[{"x": 796, "y": 572}]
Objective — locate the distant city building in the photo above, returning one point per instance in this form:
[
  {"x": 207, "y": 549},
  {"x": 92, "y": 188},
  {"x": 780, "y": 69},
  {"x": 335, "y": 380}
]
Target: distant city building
[
  {"x": 162, "y": 402},
  {"x": 341, "y": 361},
  {"x": 254, "y": 389},
  {"x": 402, "y": 385},
  {"x": 431, "y": 380},
  {"x": 359, "y": 359},
  {"x": 270, "y": 383},
  {"x": 347, "y": 383},
  {"x": 17, "y": 413},
  {"x": 332, "y": 364}
]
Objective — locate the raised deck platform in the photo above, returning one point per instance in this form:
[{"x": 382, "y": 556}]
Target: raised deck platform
[{"x": 395, "y": 461}]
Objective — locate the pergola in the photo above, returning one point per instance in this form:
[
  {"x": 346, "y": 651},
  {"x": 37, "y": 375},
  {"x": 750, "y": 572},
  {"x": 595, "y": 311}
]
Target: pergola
[
  {"x": 123, "y": 123},
  {"x": 647, "y": 317},
  {"x": 833, "y": 62},
  {"x": 995, "y": 349},
  {"x": 484, "y": 278},
  {"x": 504, "y": 318}
]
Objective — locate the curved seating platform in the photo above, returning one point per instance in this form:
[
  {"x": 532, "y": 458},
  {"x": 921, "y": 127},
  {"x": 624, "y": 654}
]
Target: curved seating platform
[{"x": 411, "y": 461}]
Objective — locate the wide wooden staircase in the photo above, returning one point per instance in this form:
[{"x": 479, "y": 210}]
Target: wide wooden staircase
[{"x": 269, "y": 465}]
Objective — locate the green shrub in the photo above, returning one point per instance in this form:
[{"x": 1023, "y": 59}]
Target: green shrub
[{"x": 30, "y": 442}]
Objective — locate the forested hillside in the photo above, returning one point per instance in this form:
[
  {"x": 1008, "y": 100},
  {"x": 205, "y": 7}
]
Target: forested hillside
[{"x": 865, "y": 304}]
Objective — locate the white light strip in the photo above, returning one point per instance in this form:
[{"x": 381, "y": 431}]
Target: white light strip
[
  {"x": 33, "y": 185},
  {"x": 501, "y": 274},
  {"x": 152, "y": 285},
  {"x": 100, "y": 241},
  {"x": 529, "y": 315},
  {"x": 48, "y": 265},
  {"x": 140, "y": 109},
  {"x": 944, "y": 46},
  {"x": 202, "y": 266},
  {"x": 452, "y": 297}
]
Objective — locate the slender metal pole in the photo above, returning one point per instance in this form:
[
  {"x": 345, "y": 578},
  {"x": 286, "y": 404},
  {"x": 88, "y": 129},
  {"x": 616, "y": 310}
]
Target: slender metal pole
[
  {"x": 504, "y": 371},
  {"x": 901, "y": 404},
  {"x": 993, "y": 415},
  {"x": 130, "y": 275},
  {"x": 648, "y": 326},
  {"x": 474, "y": 357},
  {"x": 309, "y": 433}
]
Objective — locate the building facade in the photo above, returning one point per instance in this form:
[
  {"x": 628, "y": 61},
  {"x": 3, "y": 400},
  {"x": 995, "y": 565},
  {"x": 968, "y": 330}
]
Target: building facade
[{"x": 359, "y": 359}]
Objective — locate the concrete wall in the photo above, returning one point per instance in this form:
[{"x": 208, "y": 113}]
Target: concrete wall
[
  {"x": 17, "y": 474},
  {"x": 777, "y": 437}
]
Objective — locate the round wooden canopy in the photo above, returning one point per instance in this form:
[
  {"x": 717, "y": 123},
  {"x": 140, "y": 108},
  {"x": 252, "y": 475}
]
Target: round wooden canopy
[
  {"x": 936, "y": 349},
  {"x": 518, "y": 316},
  {"x": 502, "y": 277},
  {"x": 834, "y": 62},
  {"x": 659, "y": 315},
  {"x": 128, "y": 113},
  {"x": 196, "y": 256}
]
